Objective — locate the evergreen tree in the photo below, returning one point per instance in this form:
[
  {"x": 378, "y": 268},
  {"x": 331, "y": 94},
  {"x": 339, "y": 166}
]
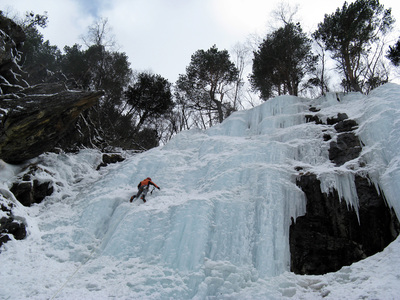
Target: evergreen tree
[
  {"x": 394, "y": 54},
  {"x": 75, "y": 65},
  {"x": 281, "y": 62},
  {"x": 98, "y": 68},
  {"x": 349, "y": 33},
  {"x": 38, "y": 56},
  {"x": 150, "y": 97},
  {"x": 208, "y": 77}
]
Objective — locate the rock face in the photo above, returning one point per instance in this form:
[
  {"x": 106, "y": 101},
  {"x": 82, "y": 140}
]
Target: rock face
[
  {"x": 34, "y": 124},
  {"x": 347, "y": 146},
  {"x": 34, "y": 119},
  {"x": 37, "y": 115},
  {"x": 331, "y": 235}
]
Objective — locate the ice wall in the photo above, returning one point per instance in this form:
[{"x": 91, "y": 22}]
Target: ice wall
[
  {"x": 222, "y": 216},
  {"x": 219, "y": 226},
  {"x": 227, "y": 196},
  {"x": 379, "y": 131}
]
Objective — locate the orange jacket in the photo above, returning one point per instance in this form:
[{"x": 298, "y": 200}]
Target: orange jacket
[{"x": 147, "y": 181}]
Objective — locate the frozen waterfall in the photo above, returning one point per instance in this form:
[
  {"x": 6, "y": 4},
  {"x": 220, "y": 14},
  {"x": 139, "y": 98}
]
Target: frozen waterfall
[{"x": 219, "y": 227}]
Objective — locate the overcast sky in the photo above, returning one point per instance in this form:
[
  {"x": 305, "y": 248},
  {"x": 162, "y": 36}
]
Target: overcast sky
[{"x": 161, "y": 35}]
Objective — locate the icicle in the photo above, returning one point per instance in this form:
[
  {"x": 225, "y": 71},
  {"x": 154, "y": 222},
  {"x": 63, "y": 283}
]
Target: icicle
[{"x": 345, "y": 186}]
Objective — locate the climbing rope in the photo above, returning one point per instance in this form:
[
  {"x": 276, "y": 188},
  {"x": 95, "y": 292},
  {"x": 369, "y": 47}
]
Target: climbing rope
[{"x": 73, "y": 274}]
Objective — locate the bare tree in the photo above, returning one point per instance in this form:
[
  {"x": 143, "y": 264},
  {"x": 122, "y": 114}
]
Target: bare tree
[
  {"x": 321, "y": 78},
  {"x": 284, "y": 14},
  {"x": 376, "y": 70},
  {"x": 100, "y": 34},
  {"x": 241, "y": 58}
]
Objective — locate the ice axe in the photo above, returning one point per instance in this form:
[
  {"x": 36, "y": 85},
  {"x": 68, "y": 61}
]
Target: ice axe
[{"x": 151, "y": 193}]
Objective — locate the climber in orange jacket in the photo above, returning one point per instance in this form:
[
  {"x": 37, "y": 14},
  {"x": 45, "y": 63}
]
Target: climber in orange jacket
[{"x": 143, "y": 187}]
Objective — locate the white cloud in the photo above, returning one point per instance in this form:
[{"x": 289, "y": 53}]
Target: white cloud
[
  {"x": 66, "y": 19},
  {"x": 162, "y": 35},
  {"x": 241, "y": 17},
  {"x": 166, "y": 35}
]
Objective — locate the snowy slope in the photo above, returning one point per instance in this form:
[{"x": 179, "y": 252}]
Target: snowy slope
[{"x": 218, "y": 229}]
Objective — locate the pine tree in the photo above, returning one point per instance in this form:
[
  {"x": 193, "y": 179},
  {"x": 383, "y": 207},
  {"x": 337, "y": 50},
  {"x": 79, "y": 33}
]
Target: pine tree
[
  {"x": 282, "y": 61},
  {"x": 208, "y": 77},
  {"x": 349, "y": 33},
  {"x": 394, "y": 54}
]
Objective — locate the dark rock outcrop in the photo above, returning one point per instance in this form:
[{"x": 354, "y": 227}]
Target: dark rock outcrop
[
  {"x": 9, "y": 226},
  {"x": 39, "y": 111},
  {"x": 34, "y": 124},
  {"x": 30, "y": 192},
  {"x": 86, "y": 133},
  {"x": 28, "y": 189},
  {"x": 347, "y": 146},
  {"x": 331, "y": 234},
  {"x": 111, "y": 158},
  {"x": 8, "y": 223},
  {"x": 339, "y": 118},
  {"x": 313, "y": 118},
  {"x": 35, "y": 117}
]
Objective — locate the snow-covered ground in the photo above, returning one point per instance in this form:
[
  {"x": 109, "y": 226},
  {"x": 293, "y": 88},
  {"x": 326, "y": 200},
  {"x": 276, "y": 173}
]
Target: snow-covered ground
[{"x": 219, "y": 226}]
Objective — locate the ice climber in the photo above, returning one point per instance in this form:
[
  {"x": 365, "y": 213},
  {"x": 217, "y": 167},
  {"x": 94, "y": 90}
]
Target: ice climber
[{"x": 143, "y": 187}]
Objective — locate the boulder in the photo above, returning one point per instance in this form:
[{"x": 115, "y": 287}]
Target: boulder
[
  {"x": 110, "y": 158},
  {"x": 30, "y": 192},
  {"x": 28, "y": 189},
  {"x": 8, "y": 224}
]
